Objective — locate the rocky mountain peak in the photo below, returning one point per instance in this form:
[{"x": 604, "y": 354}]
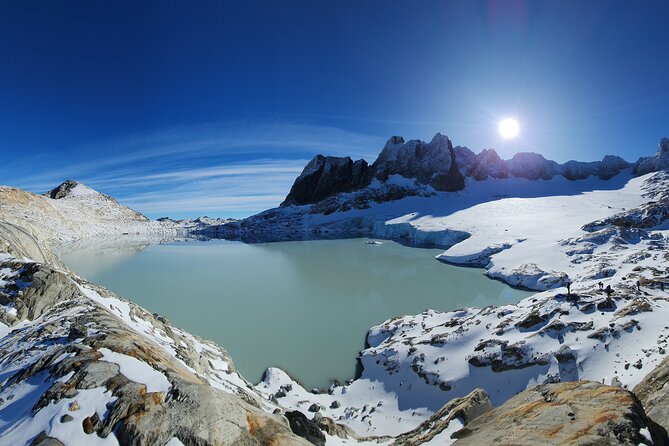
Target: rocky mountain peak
[
  {"x": 654, "y": 163},
  {"x": 327, "y": 175},
  {"x": 663, "y": 147},
  {"x": 440, "y": 140},
  {"x": 437, "y": 164},
  {"x": 63, "y": 190},
  {"x": 430, "y": 163},
  {"x": 532, "y": 166},
  {"x": 394, "y": 140}
]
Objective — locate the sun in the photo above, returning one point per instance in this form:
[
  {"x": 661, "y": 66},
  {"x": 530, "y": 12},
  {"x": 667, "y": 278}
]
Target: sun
[{"x": 508, "y": 128}]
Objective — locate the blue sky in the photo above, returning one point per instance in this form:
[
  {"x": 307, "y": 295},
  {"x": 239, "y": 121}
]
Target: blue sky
[{"x": 193, "y": 108}]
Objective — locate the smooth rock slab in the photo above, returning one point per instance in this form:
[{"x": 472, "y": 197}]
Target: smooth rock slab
[{"x": 573, "y": 413}]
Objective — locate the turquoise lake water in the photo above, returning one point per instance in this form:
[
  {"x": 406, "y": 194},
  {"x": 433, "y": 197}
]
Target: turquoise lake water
[{"x": 303, "y": 306}]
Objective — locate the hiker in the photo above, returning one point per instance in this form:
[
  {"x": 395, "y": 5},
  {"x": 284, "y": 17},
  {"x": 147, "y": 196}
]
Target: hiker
[
  {"x": 568, "y": 288},
  {"x": 601, "y": 286},
  {"x": 608, "y": 290},
  {"x": 638, "y": 285}
]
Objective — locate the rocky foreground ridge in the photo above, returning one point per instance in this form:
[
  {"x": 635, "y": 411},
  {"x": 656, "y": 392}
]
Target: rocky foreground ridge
[{"x": 79, "y": 365}]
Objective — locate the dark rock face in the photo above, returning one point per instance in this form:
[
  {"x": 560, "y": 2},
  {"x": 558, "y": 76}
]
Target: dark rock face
[
  {"x": 532, "y": 166},
  {"x": 489, "y": 164},
  {"x": 305, "y": 428},
  {"x": 612, "y": 166},
  {"x": 325, "y": 176},
  {"x": 432, "y": 163},
  {"x": 580, "y": 412},
  {"x": 574, "y": 170},
  {"x": 654, "y": 163},
  {"x": 62, "y": 190}
]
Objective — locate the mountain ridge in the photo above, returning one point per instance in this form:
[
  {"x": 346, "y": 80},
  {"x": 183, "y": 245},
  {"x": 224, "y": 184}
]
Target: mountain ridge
[{"x": 439, "y": 165}]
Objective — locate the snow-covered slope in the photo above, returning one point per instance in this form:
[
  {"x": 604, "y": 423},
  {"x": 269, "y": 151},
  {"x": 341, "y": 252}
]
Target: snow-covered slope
[{"x": 73, "y": 211}]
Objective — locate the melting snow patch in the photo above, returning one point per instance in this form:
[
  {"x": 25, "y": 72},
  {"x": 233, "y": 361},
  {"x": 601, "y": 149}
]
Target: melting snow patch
[
  {"x": 138, "y": 371},
  {"x": 443, "y": 438}
]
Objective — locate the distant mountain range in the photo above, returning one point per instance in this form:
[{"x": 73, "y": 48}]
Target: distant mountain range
[{"x": 441, "y": 166}]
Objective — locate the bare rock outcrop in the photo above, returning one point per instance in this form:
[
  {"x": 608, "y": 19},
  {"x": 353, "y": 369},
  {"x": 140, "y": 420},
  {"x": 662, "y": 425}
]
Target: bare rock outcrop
[
  {"x": 572, "y": 413},
  {"x": 432, "y": 163},
  {"x": 465, "y": 409},
  {"x": 324, "y": 176},
  {"x": 654, "y": 163},
  {"x": 62, "y": 190},
  {"x": 654, "y": 393}
]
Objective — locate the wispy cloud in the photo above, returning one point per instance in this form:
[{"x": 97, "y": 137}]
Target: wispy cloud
[{"x": 220, "y": 169}]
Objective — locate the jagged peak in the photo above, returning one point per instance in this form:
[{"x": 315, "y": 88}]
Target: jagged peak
[
  {"x": 395, "y": 140},
  {"x": 663, "y": 146},
  {"x": 439, "y": 139},
  {"x": 489, "y": 153},
  {"x": 528, "y": 155},
  {"x": 64, "y": 189}
]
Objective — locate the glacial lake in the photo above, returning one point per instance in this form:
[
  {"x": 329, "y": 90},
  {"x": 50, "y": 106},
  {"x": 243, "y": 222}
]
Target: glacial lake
[{"x": 303, "y": 306}]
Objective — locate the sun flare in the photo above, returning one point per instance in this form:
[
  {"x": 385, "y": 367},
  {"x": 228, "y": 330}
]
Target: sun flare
[{"x": 508, "y": 128}]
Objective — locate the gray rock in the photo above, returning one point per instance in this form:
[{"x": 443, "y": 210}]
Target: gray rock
[
  {"x": 653, "y": 392},
  {"x": 532, "y": 166},
  {"x": 330, "y": 427},
  {"x": 66, "y": 418},
  {"x": 63, "y": 190},
  {"x": 655, "y": 163},
  {"x": 580, "y": 412},
  {"x": 611, "y": 166},
  {"x": 489, "y": 164},
  {"x": 432, "y": 163},
  {"x": 77, "y": 331},
  {"x": 305, "y": 428},
  {"x": 44, "y": 440},
  {"x": 467, "y": 409}
]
